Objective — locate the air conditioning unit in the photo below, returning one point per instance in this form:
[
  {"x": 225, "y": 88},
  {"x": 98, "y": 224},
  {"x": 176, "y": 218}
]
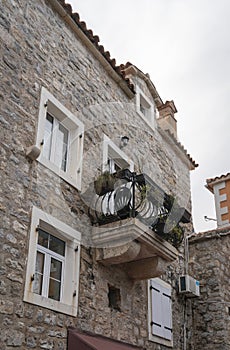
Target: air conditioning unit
[{"x": 189, "y": 286}]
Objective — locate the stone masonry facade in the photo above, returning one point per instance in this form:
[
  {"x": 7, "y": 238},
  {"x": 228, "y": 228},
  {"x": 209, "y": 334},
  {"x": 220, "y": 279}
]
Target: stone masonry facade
[
  {"x": 209, "y": 314},
  {"x": 40, "y": 49}
]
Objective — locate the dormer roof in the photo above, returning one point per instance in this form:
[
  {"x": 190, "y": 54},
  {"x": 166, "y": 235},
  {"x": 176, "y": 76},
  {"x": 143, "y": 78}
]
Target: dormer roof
[{"x": 130, "y": 70}]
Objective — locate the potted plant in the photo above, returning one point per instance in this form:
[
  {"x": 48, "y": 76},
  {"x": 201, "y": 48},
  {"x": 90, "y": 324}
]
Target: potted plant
[
  {"x": 104, "y": 183},
  {"x": 174, "y": 236}
]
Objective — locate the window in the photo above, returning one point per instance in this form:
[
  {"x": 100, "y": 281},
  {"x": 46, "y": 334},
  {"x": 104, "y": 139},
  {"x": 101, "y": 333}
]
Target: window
[
  {"x": 53, "y": 264},
  {"x": 56, "y": 142},
  {"x": 145, "y": 108},
  {"x": 114, "y": 296},
  {"x": 113, "y": 165},
  {"x": 114, "y": 159},
  {"x": 60, "y": 137},
  {"x": 160, "y": 312},
  {"x": 50, "y": 259}
]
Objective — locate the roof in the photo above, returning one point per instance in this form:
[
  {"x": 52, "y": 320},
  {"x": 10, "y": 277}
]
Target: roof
[
  {"x": 213, "y": 181},
  {"x": 131, "y": 69},
  {"x": 211, "y": 234},
  {"x": 94, "y": 39},
  {"x": 121, "y": 70},
  {"x": 86, "y": 341}
]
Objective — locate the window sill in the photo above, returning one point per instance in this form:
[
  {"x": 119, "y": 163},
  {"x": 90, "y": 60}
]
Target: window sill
[
  {"x": 162, "y": 341},
  {"x": 151, "y": 124},
  {"x": 54, "y": 305},
  {"x": 65, "y": 176}
]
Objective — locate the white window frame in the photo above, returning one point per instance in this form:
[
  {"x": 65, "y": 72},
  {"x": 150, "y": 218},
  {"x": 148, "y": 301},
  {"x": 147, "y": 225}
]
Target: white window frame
[
  {"x": 112, "y": 151},
  {"x": 150, "y": 119},
  {"x": 48, "y": 103},
  {"x": 54, "y": 139},
  {"x": 163, "y": 304},
  {"x": 68, "y": 303},
  {"x": 48, "y": 255}
]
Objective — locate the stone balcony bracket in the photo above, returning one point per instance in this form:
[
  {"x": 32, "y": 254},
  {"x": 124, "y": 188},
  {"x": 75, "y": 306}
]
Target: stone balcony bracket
[{"x": 130, "y": 243}]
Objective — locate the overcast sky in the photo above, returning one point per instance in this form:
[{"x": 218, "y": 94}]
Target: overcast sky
[{"x": 185, "y": 47}]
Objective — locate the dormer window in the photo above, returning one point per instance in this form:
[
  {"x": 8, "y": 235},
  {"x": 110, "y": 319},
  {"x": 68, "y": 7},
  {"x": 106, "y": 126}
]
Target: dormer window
[{"x": 145, "y": 108}]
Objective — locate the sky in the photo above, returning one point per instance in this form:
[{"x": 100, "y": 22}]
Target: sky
[{"x": 185, "y": 47}]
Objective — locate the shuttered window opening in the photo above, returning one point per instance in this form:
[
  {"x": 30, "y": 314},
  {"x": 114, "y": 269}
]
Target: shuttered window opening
[{"x": 161, "y": 309}]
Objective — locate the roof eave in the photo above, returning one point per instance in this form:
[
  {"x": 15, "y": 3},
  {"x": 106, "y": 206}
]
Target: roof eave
[
  {"x": 210, "y": 183},
  {"x": 133, "y": 70}
]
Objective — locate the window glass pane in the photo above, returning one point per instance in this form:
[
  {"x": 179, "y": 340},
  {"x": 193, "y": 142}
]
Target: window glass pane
[
  {"x": 55, "y": 269},
  {"x": 38, "y": 276},
  {"x": 143, "y": 110},
  {"x": 37, "y": 286},
  {"x": 55, "y": 279},
  {"x": 48, "y": 135},
  {"x": 61, "y": 147},
  {"x": 113, "y": 166},
  {"x": 57, "y": 245},
  {"x": 144, "y": 106},
  {"x": 43, "y": 238},
  {"x": 117, "y": 167},
  {"x": 54, "y": 289}
]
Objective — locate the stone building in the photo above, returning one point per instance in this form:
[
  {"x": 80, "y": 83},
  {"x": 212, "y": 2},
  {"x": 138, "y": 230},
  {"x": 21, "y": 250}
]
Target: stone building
[
  {"x": 209, "y": 315},
  {"x": 208, "y": 260},
  {"x": 81, "y": 268}
]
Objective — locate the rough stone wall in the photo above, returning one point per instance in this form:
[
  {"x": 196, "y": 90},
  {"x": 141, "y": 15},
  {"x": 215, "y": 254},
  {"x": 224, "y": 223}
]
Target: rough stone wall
[
  {"x": 209, "y": 263},
  {"x": 39, "y": 49}
]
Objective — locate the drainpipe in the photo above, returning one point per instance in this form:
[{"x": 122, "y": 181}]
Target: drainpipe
[{"x": 186, "y": 256}]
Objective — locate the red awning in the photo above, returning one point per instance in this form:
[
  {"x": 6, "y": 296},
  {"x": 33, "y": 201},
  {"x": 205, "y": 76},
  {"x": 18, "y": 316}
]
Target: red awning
[{"x": 84, "y": 341}]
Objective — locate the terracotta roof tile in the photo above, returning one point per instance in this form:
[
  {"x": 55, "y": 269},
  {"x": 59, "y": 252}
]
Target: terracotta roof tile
[
  {"x": 95, "y": 40},
  {"x": 215, "y": 233},
  {"x": 120, "y": 70},
  {"x": 221, "y": 177},
  {"x": 212, "y": 181},
  {"x": 145, "y": 76}
]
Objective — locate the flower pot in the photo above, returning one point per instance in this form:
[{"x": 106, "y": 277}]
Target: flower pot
[{"x": 104, "y": 184}]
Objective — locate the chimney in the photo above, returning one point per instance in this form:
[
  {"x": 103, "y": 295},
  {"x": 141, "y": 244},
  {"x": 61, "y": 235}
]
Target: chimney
[
  {"x": 166, "y": 118},
  {"x": 220, "y": 187}
]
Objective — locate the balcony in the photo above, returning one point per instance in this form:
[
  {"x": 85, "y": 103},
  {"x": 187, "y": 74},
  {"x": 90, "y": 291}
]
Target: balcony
[{"x": 131, "y": 217}]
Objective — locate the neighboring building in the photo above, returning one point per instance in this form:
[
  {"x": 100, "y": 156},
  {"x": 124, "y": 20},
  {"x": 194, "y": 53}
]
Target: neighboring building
[
  {"x": 209, "y": 261},
  {"x": 209, "y": 315},
  {"x": 80, "y": 269},
  {"x": 220, "y": 187}
]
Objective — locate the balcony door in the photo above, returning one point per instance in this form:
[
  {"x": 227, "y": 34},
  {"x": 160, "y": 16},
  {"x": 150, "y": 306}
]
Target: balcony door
[{"x": 114, "y": 159}]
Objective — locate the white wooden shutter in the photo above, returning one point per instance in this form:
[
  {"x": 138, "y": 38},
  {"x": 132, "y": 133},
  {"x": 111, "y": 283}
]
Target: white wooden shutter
[
  {"x": 166, "y": 312},
  {"x": 161, "y": 311},
  {"x": 157, "y": 320}
]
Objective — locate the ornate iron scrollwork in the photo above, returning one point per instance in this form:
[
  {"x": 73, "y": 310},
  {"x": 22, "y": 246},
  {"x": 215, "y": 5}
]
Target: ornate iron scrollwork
[{"x": 138, "y": 196}]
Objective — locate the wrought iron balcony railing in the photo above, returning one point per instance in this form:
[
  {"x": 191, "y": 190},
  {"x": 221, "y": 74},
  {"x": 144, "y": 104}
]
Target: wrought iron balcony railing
[{"x": 127, "y": 194}]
